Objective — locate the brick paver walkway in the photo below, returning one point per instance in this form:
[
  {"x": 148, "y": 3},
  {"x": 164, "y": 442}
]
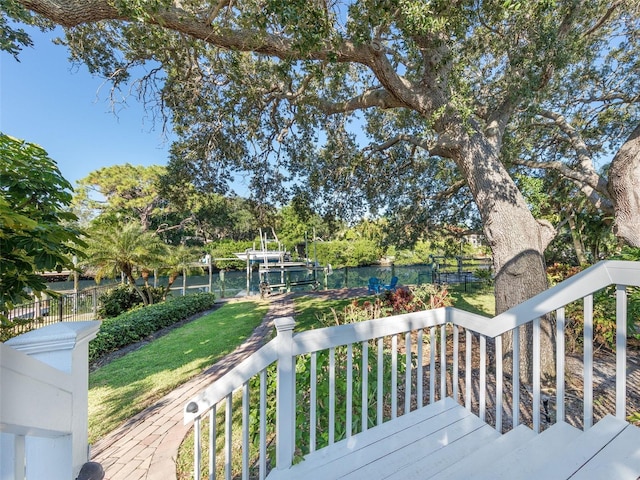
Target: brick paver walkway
[{"x": 146, "y": 446}]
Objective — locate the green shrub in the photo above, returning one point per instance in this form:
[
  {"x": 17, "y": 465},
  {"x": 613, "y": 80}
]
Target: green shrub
[
  {"x": 135, "y": 325},
  {"x": 604, "y": 319},
  {"x": 123, "y": 298}
]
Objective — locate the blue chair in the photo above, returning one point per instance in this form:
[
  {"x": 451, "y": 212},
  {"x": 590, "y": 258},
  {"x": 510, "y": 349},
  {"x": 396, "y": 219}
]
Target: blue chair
[
  {"x": 374, "y": 285},
  {"x": 392, "y": 285}
]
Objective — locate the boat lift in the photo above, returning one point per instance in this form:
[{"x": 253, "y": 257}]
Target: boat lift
[{"x": 272, "y": 261}]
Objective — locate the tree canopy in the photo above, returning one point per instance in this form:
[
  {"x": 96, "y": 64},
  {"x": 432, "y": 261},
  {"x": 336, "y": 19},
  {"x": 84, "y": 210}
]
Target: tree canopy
[
  {"x": 37, "y": 232},
  {"x": 388, "y": 105}
]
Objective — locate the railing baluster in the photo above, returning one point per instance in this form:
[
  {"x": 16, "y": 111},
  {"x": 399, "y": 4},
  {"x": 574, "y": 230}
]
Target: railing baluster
[
  {"x": 621, "y": 351},
  {"x": 197, "y": 449},
  {"x": 536, "y": 375},
  {"x": 332, "y": 395},
  {"x": 365, "y": 386},
  {"x": 419, "y": 372},
  {"x": 560, "y": 364},
  {"x": 349, "y": 406},
  {"x": 499, "y": 379},
  {"x": 263, "y": 426},
  {"x": 245, "y": 431},
  {"x": 313, "y": 423},
  {"x": 380, "y": 377},
  {"x": 515, "y": 379},
  {"x": 588, "y": 362},
  {"x": 456, "y": 367},
  {"x": 212, "y": 443},
  {"x": 228, "y": 432},
  {"x": 483, "y": 378},
  {"x": 407, "y": 373},
  {"x": 467, "y": 370},
  {"x": 394, "y": 376},
  {"x": 432, "y": 364},
  {"x": 443, "y": 361}
]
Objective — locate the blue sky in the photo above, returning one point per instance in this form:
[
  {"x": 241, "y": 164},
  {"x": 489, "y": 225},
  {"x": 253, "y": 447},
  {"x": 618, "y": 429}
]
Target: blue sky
[{"x": 45, "y": 100}]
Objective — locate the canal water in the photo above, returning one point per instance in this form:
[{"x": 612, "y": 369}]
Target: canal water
[{"x": 234, "y": 283}]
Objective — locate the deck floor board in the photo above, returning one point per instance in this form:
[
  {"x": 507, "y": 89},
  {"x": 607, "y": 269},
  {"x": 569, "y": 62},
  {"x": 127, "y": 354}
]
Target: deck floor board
[{"x": 445, "y": 441}]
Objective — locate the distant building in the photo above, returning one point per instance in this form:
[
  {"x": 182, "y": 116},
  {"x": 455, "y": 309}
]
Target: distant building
[{"x": 475, "y": 239}]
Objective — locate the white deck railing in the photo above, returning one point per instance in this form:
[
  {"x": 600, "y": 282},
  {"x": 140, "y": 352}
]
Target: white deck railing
[
  {"x": 43, "y": 402},
  {"x": 305, "y": 391}
]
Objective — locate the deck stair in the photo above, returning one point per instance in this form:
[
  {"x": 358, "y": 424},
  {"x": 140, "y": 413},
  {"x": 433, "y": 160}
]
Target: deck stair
[{"x": 446, "y": 441}]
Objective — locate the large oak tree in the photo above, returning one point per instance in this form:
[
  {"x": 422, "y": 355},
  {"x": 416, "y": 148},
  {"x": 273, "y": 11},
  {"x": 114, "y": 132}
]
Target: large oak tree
[{"x": 276, "y": 88}]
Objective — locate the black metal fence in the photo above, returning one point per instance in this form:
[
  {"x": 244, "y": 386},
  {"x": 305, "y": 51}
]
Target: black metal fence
[{"x": 67, "y": 307}]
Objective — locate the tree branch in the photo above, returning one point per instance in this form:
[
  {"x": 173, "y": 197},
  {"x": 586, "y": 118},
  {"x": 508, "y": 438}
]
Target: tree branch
[
  {"x": 369, "y": 99},
  {"x": 579, "y": 179},
  {"x": 440, "y": 147},
  {"x": 590, "y": 176},
  {"x": 604, "y": 18},
  {"x": 70, "y": 13}
]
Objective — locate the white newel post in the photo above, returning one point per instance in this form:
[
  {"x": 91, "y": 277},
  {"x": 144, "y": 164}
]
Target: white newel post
[
  {"x": 65, "y": 347},
  {"x": 286, "y": 390}
]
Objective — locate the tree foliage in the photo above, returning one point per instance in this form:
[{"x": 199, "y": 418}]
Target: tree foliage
[
  {"x": 128, "y": 250},
  {"x": 125, "y": 192},
  {"x": 37, "y": 232},
  {"x": 375, "y": 105}
]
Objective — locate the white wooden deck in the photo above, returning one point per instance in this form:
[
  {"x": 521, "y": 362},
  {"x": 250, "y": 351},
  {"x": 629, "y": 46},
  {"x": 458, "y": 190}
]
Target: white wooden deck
[{"x": 445, "y": 441}]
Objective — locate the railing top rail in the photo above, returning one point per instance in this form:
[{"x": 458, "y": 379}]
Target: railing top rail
[
  {"x": 329, "y": 337},
  {"x": 597, "y": 277},
  {"x": 231, "y": 381}
]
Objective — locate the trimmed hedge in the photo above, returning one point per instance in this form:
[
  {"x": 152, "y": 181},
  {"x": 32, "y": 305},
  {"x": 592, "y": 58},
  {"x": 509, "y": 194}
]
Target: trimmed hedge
[{"x": 135, "y": 325}]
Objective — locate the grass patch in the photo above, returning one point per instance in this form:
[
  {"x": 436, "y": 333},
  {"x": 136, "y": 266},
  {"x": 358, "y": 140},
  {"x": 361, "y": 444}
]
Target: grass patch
[
  {"x": 128, "y": 385},
  {"x": 480, "y": 301}
]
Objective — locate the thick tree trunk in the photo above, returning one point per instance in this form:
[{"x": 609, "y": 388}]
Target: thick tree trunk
[
  {"x": 517, "y": 241},
  {"x": 624, "y": 188}
]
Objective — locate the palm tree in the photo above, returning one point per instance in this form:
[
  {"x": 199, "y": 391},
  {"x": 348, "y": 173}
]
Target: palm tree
[
  {"x": 180, "y": 260},
  {"x": 114, "y": 248}
]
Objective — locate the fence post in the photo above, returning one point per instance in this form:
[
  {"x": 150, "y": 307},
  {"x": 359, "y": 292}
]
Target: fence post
[
  {"x": 285, "y": 396},
  {"x": 60, "y": 307},
  {"x": 37, "y": 307},
  {"x": 94, "y": 294},
  {"x": 64, "y": 346}
]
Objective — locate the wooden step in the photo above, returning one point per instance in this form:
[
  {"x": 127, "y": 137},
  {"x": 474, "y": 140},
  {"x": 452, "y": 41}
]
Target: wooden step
[
  {"x": 444, "y": 441},
  {"x": 453, "y": 451},
  {"x": 486, "y": 455},
  {"x": 620, "y": 459},
  {"x": 434, "y": 450},
  {"x": 579, "y": 452},
  {"x": 530, "y": 456},
  {"x": 411, "y": 434}
]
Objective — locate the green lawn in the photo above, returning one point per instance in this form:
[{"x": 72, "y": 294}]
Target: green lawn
[
  {"x": 128, "y": 385},
  {"x": 480, "y": 301}
]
